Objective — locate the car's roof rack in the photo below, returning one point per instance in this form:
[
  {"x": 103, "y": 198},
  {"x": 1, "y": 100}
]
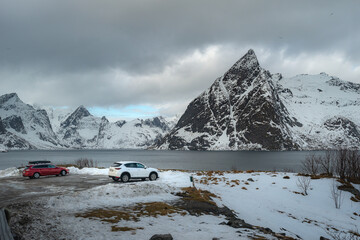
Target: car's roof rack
[{"x": 39, "y": 162}]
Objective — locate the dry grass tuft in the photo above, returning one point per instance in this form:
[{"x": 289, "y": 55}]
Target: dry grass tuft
[
  {"x": 244, "y": 188},
  {"x": 199, "y": 195},
  {"x": 237, "y": 182},
  {"x": 108, "y": 215},
  {"x": 299, "y": 193},
  {"x": 133, "y": 213},
  {"x": 286, "y": 177},
  {"x": 123, "y": 229},
  {"x": 355, "y": 199}
]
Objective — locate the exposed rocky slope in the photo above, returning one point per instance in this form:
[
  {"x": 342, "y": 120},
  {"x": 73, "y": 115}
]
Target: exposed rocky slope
[{"x": 249, "y": 108}]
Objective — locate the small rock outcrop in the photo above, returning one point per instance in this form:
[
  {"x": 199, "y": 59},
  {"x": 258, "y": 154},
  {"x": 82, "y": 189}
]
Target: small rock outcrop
[{"x": 161, "y": 237}]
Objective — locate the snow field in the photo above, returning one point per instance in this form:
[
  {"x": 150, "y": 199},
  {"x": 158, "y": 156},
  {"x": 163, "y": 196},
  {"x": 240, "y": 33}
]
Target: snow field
[
  {"x": 270, "y": 202},
  {"x": 10, "y": 172},
  {"x": 265, "y": 199}
]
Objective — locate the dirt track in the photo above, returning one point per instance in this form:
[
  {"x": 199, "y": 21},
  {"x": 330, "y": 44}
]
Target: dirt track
[{"x": 17, "y": 189}]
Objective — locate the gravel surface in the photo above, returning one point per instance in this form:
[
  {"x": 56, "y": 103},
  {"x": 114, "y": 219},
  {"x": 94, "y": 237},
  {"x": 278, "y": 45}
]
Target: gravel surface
[{"x": 19, "y": 189}]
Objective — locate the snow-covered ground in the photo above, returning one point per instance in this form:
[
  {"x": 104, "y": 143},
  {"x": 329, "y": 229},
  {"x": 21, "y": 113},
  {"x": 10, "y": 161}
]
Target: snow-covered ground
[{"x": 264, "y": 199}]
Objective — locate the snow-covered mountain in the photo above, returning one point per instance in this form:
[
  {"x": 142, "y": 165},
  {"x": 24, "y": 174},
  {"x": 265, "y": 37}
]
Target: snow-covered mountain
[
  {"x": 23, "y": 126},
  {"x": 83, "y": 130},
  {"x": 250, "y": 108}
]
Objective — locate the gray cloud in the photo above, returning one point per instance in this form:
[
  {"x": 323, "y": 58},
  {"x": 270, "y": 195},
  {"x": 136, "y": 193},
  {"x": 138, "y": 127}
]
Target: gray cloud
[{"x": 164, "y": 53}]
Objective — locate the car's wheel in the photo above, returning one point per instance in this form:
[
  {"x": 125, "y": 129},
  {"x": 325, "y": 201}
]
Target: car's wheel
[
  {"x": 36, "y": 175},
  {"x": 125, "y": 177},
  {"x": 153, "y": 176},
  {"x": 116, "y": 179},
  {"x": 63, "y": 173}
]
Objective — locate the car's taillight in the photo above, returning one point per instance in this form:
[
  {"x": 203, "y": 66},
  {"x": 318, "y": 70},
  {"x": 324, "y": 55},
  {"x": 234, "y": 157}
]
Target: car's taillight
[{"x": 117, "y": 168}]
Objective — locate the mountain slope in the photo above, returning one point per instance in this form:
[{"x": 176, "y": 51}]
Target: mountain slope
[{"x": 249, "y": 108}]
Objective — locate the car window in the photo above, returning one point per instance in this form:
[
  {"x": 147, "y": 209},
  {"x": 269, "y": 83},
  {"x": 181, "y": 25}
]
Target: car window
[
  {"x": 51, "y": 166},
  {"x": 131, "y": 165},
  {"x": 116, "y": 165},
  {"x": 40, "y": 166},
  {"x": 139, "y": 165}
]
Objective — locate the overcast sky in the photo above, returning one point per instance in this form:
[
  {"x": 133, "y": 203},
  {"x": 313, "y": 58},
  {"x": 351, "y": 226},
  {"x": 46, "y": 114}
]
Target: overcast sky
[{"x": 150, "y": 57}]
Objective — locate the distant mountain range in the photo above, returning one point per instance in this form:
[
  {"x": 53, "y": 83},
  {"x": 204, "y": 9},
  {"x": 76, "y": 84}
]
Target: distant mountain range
[
  {"x": 247, "y": 108},
  {"x": 23, "y": 126}
]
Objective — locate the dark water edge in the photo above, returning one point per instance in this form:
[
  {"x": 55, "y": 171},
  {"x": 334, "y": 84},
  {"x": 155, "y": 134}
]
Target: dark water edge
[{"x": 167, "y": 159}]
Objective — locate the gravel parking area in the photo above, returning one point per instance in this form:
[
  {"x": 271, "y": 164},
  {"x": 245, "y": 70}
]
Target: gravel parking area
[{"x": 18, "y": 189}]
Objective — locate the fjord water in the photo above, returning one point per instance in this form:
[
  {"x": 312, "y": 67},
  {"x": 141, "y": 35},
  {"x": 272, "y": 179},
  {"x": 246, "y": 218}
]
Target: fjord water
[{"x": 188, "y": 160}]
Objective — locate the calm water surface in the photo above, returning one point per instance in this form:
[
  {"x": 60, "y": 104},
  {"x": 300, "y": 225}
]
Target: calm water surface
[{"x": 189, "y": 160}]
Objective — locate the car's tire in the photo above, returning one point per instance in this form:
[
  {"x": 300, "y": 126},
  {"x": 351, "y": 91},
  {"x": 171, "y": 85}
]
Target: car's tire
[
  {"x": 116, "y": 179},
  {"x": 36, "y": 175},
  {"x": 63, "y": 172},
  {"x": 153, "y": 176},
  {"x": 125, "y": 177}
]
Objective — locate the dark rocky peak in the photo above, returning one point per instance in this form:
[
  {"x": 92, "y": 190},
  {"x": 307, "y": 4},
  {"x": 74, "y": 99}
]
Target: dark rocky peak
[
  {"x": 104, "y": 120},
  {"x": 157, "y": 122},
  {"x": 248, "y": 63},
  {"x": 243, "y": 74},
  {"x": 82, "y": 112},
  {"x": 120, "y": 123},
  {"x": 75, "y": 117},
  {"x": 6, "y": 97}
]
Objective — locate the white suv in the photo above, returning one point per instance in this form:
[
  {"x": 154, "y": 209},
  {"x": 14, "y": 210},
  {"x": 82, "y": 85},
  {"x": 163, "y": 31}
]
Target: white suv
[{"x": 124, "y": 171}]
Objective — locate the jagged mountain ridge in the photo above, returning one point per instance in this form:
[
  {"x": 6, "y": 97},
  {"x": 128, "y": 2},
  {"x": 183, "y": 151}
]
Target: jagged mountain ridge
[
  {"x": 23, "y": 126},
  {"x": 250, "y": 109}
]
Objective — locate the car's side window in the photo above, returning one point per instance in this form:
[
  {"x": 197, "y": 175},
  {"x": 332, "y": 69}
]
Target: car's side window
[
  {"x": 40, "y": 166},
  {"x": 131, "y": 165},
  {"x": 139, "y": 165},
  {"x": 51, "y": 166}
]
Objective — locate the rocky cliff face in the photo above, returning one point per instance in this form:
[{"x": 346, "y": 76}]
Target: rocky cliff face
[{"x": 248, "y": 108}]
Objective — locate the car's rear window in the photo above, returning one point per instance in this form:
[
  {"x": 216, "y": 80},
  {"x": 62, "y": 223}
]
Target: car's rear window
[{"x": 116, "y": 165}]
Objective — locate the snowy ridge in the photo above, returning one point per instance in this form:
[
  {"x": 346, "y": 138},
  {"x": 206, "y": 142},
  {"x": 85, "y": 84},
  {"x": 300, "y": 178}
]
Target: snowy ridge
[
  {"x": 250, "y": 109},
  {"x": 23, "y": 126}
]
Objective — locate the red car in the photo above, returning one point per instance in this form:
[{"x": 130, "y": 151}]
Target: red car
[{"x": 35, "y": 171}]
